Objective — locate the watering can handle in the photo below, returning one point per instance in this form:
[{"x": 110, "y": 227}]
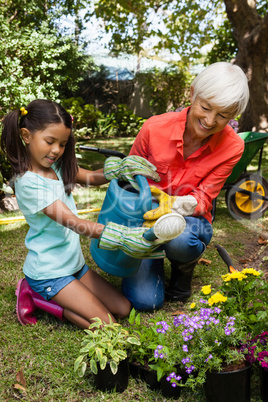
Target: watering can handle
[{"x": 145, "y": 198}]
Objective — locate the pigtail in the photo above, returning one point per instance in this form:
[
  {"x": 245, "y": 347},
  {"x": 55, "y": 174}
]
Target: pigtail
[
  {"x": 12, "y": 144},
  {"x": 68, "y": 165}
]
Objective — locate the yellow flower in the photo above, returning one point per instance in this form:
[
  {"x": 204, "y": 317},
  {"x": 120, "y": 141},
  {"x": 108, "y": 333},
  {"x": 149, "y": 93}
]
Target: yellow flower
[
  {"x": 192, "y": 305},
  {"x": 234, "y": 275},
  {"x": 206, "y": 289},
  {"x": 250, "y": 271},
  {"x": 217, "y": 298}
]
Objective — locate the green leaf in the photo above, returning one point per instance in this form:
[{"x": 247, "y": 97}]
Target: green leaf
[
  {"x": 131, "y": 317},
  {"x": 114, "y": 366},
  {"x": 93, "y": 366},
  {"x": 133, "y": 340},
  {"x": 82, "y": 369},
  {"x": 77, "y": 362},
  {"x": 99, "y": 353},
  {"x": 121, "y": 354},
  {"x": 103, "y": 362}
]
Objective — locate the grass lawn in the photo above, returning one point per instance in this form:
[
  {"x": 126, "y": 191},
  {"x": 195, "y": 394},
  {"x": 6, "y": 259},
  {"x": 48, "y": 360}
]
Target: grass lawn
[{"x": 45, "y": 353}]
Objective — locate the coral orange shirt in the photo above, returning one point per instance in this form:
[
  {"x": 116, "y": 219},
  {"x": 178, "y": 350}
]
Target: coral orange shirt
[{"x": 202, "y": 174}]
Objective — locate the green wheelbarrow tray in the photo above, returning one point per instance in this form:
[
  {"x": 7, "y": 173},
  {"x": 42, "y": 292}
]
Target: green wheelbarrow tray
[
  {"x": 247, "y": 192},
  {"x": 253, "y": 143}
]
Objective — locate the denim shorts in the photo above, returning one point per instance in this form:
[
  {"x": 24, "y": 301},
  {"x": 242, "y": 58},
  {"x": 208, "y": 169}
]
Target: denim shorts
[{"x": 50, "y": 287}]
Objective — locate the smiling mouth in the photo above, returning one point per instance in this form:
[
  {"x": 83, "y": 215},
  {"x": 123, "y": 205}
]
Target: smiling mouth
[
  {"x": 50, "y": 158},
  {"x": 204, "y": 126}
]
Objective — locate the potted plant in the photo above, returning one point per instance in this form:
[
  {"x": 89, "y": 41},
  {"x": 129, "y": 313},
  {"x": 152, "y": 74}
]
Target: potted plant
[
  {"x": 140, "y": 355},
  {"x": 104, "y": 349},
  {"x": 157, "y": 356},
  {"x": 241, "y": 302},
  {"x": 256, "y": 352}
]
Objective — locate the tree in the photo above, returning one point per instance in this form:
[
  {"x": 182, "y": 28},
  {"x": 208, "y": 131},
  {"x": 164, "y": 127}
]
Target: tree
[
  {"x": 36, "y": 60},
  {"x": 250, "y": 27},
  {"x": 184, "y": 27}
]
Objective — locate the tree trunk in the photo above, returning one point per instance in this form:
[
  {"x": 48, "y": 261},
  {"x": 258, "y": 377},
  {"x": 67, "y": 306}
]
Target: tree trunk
[{"x": 251, "y": 32}]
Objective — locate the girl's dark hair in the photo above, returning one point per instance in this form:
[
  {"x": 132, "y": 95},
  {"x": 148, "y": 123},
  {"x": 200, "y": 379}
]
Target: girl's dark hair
[{"x": 41, "y": 113}]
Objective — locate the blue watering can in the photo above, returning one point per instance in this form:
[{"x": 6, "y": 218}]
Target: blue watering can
[{"x": 125, "y": 206}]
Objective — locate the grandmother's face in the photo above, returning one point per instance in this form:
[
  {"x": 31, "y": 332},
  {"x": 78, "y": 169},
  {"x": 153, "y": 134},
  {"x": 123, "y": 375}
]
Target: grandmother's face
[{"x": 206, "y": 118}]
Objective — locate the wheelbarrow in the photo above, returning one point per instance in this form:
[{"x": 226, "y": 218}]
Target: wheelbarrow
[{"x": 246, "y": 193}]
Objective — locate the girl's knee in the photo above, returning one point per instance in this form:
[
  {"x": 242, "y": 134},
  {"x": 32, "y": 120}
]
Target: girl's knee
[{"x": 124, "y": 309}]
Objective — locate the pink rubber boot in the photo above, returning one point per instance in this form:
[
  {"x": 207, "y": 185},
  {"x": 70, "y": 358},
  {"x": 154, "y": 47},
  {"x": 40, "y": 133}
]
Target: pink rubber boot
[{"x": 28, "y": 301}]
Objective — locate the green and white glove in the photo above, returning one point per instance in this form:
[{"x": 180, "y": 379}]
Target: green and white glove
[
  {"x": 126, "y": 169},
  {"x": 130, "y": 241}
]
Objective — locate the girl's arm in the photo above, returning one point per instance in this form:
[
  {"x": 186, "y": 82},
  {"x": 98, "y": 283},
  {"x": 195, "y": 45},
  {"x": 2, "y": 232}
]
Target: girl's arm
[
  {"x": 90, "y": 177},
  {"x": 60, "y": 213}
]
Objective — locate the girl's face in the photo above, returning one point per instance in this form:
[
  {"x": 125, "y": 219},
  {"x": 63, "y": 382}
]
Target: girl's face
[
  {"x": 47, "y": 146},
  {"x": 205, "y": 118}
]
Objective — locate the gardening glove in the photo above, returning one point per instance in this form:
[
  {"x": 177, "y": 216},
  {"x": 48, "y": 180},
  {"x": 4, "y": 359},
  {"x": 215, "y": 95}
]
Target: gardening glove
[
  {"x": 183, "y": 205},
  {"x": 129, "y": 240},
  {"x": 125, "y": 169}
]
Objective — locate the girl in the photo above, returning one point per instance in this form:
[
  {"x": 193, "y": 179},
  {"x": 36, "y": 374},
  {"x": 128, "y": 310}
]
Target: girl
[{"x": 41, "y": 147}]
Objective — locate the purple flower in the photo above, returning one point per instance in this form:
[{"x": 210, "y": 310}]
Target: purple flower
[
  {"x": 190, "y": 369},
  {"x": 209, "y": 357},
  {"x": 164, "y": 328},
  {"x": 185, "y": 348},
  {"x": 186, "y": 360}
]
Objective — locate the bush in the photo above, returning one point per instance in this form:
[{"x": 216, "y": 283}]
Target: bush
[
  {"x": 167, "y": 89},
  {"x": 91, "y": 122}
]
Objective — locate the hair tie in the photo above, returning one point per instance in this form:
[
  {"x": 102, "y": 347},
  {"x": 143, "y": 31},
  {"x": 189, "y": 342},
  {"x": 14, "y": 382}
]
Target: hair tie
[{"x": 23, "y": 111}]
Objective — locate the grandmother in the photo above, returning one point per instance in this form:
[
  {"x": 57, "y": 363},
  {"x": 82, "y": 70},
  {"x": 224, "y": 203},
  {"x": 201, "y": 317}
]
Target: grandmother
[{"x": 194, "y": 151}]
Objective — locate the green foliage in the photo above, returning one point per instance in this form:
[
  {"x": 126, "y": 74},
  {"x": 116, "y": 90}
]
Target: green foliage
[
  {"x": 127, "y": 123},
  {"x": 181, "y": 27},
  {"x": 167, "y": 89},
  {"x": 83, "y": 115},
  {"x": 104, "y": 343},
  {"x": 91, "y": 122},
  {"x": 149, "y": 339},
  {"x": 225, "y": 45},
  {"x": 36, "y": 60},
  {"x": 247, "y": 294}
]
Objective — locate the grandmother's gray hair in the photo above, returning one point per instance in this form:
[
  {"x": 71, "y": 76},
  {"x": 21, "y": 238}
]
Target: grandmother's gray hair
[{"x": 225, "y": 84}]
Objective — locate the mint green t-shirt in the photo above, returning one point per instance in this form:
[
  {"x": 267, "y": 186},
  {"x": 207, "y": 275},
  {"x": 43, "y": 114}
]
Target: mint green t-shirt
[{"x": 54, "y": 250}]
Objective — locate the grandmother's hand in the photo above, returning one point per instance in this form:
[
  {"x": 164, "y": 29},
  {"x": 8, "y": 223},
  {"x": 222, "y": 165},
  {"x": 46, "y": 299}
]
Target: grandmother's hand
[{"x": 183, "y": 205}]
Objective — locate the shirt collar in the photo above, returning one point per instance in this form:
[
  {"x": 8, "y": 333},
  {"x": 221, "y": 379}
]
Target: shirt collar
[{"x": 177, "y": 134}]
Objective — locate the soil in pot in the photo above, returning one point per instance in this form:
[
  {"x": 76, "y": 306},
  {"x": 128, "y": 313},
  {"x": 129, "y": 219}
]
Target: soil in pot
[{"x": 105, "y": 380}]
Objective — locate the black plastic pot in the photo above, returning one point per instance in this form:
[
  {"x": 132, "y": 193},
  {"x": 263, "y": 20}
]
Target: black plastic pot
[
  {"x": 231, "y": 386},
  {"x": 264, "y": 385},
  {"x": 147, "y": 375},
  {"x": 105, "y": 380},
  {"x": 167, "y": 389}
]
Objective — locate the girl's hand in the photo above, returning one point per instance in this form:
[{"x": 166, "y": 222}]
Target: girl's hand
[
  {"x": 129, "y": 240},
  {"x": 126, "y": 169}
]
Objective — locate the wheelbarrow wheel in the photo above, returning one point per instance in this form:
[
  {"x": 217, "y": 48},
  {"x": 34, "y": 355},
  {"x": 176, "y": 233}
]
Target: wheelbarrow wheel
[{"x": 247, "y": 206}]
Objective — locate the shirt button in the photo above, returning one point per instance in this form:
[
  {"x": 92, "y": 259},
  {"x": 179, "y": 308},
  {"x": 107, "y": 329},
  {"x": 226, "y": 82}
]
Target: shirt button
[
  {"x": 49, "y": 289},
  {"x": 173, "y": 187}
]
